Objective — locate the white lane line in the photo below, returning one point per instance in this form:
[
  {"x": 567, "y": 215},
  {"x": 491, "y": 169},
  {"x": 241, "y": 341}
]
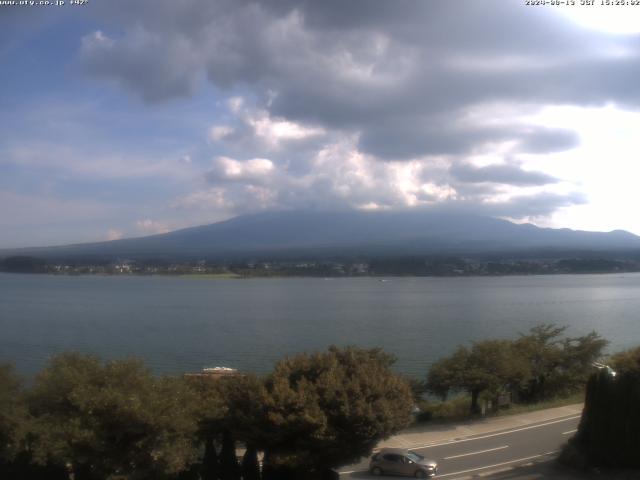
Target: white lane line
[
  {"x": 496, "y": 465},
  {"x": 476, "y": 453},
  {"x": 570, "y": 431},
  {"x": 429, "y": 445}
]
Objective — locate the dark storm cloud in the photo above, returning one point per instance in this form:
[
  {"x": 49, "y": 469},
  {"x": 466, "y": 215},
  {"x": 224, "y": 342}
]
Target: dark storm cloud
[{"x": 421, "y": 57}]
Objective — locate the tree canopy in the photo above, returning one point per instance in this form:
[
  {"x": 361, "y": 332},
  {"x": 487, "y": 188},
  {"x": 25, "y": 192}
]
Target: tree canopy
[
  {"x": 627, "y": 361},
  {"x": 330, "y": 408},
  {"x": 112, "y": 418},
  {"x": 13, "y": 414},
  {"x": 538, "y": 365}
]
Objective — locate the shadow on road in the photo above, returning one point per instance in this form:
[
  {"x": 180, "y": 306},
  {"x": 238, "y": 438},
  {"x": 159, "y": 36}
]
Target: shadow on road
[
  {"x": 542, "y": 470},
  {"x": 554, "y": 471}
]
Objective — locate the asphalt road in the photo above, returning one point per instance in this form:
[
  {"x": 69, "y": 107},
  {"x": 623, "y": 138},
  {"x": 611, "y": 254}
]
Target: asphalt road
[{"x": 491, "y": 452}]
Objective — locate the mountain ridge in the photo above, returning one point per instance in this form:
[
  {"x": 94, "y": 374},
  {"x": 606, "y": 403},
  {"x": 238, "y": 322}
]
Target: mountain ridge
[{"x": 349, "y": 232}]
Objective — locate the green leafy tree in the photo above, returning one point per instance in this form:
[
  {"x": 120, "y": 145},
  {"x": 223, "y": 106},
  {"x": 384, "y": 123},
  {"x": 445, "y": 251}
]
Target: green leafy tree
[
  {"x": 331, "y": 408},
  {"x": 542, "y": 349},
  {"x": 558, "y": 366},
  {"x": 13, "y": 414},
  {"x": 579, "y": 354},
  {"x": 112, "y": 419},
  {"x": 489, "y": 367},
  {"x": 243, "y": 400},
  {"x": 447, "y": 374},
  {"x": 538, "y": 365},
  {"x": 627, "y": 361},
  {"x": 234, "y": 404}
]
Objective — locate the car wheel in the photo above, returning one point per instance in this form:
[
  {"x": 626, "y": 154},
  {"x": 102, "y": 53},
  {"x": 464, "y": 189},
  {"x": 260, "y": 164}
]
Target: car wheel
[
  {"x": 420, "y": 474},
  {"x": 377, "y": 471}
]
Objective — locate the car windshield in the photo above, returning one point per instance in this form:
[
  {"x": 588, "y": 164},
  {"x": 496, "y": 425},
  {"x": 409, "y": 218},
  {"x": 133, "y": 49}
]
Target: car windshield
[{"x": 414, "y": 457}]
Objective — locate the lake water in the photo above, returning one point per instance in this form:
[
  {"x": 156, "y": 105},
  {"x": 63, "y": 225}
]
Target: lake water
[{"x": 181, "y": 324}]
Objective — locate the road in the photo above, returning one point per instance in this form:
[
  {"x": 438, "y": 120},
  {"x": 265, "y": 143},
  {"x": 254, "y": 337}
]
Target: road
[{"x": 493, "y": 451}]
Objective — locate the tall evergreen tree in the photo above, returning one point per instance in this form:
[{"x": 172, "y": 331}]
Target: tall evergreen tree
[
  {"x": 210, "y": 464},
  {"x": 250, "y": 465},
  {"x": 229, "y": 468}
]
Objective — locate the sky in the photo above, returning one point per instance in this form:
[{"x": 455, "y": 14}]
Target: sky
[{"x": 129, "y": 118}]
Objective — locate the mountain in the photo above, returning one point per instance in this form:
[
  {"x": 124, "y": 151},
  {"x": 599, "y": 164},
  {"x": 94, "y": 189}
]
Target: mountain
[{"x": 325, "y": 233}]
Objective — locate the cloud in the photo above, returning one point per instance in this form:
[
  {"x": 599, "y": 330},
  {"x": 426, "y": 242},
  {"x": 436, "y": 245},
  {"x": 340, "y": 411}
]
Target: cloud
[
  {"x": 149, "y": 63},
  {"x": 502, "y": 173},
  {"x": 534, "y": 206},
  {"x": 149, "y": 227},
  {"x": 80, "y": 162},
  {"x": 343, "y": 177},
  {"x": 371, "y": 104},
  {"x": 219, "y": 132},
  {"x": 547, "y": 140},
  {"x": 113, "y": 234},
  {"x": 251, "y": 171}
]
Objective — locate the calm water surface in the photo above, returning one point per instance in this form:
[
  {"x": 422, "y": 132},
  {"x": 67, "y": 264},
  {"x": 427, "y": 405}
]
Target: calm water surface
[{"x": 182, "y": 324}]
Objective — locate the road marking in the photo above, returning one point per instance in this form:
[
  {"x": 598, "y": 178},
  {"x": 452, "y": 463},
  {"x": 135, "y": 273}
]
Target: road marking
[
  {"x": 496, "y": 465},
  {"x": 570, "y": 431},
  {"x": 476, "y": 453},
  {"x": 430, "y": 445}
]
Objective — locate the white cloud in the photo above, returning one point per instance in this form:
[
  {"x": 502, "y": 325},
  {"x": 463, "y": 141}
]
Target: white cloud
[
  {"x": 114, "y": 234},
  {"x": 219, "y": 132},
  {"x": 276, "y": 131},
  {"x": 95, "y": 41},
  {"x": 248, "y": 170},
  {"x": 212, "y": 199},
  {"x": 148, "y": 226}
]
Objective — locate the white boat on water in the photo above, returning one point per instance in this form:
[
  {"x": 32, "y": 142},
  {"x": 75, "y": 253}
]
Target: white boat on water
[{"x": 219, "y": 370}]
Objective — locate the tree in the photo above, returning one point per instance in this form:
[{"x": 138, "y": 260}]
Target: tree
[
  {"x": 627, "y": 361},
  {"x": 495, "y": 367},
  {"x": 243, "y": 400},
  {"x": 489, "y": 367},
  {"x": 331, "y": 408},
  {"x": 579, "y": 354},
  {"x": 210, "y": 464},
  {"x": 447, "y": 374},
  {"x": 13, "y": 414},
  {"x": 610, "y": 425},
  {"x": 250, "y": 465},
  {"x": 536, "y": 366},
  {"x": 229, "y": 468},
  {"x": 113, "y": 418},
  {"x": 542, "y": 349}
]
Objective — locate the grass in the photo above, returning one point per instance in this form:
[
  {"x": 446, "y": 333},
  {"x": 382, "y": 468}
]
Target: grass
[
  {"x": 457, "y": 408},
  {"x": 577, "y": 397}
]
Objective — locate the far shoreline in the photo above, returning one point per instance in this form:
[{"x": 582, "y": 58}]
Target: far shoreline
[{"x": 232, "y": 276}]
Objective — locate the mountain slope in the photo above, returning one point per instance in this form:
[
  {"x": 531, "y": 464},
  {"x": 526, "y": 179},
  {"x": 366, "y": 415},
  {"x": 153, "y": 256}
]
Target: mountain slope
[{"x": 347, "y": 232}]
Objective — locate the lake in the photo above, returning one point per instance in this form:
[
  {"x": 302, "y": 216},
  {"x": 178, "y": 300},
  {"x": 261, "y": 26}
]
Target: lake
[{"x": 183, "y": 324}]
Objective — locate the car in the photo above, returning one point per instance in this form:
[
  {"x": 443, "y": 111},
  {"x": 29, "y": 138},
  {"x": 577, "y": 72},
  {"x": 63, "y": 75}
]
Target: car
[{"x": 399, "y": 461}]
